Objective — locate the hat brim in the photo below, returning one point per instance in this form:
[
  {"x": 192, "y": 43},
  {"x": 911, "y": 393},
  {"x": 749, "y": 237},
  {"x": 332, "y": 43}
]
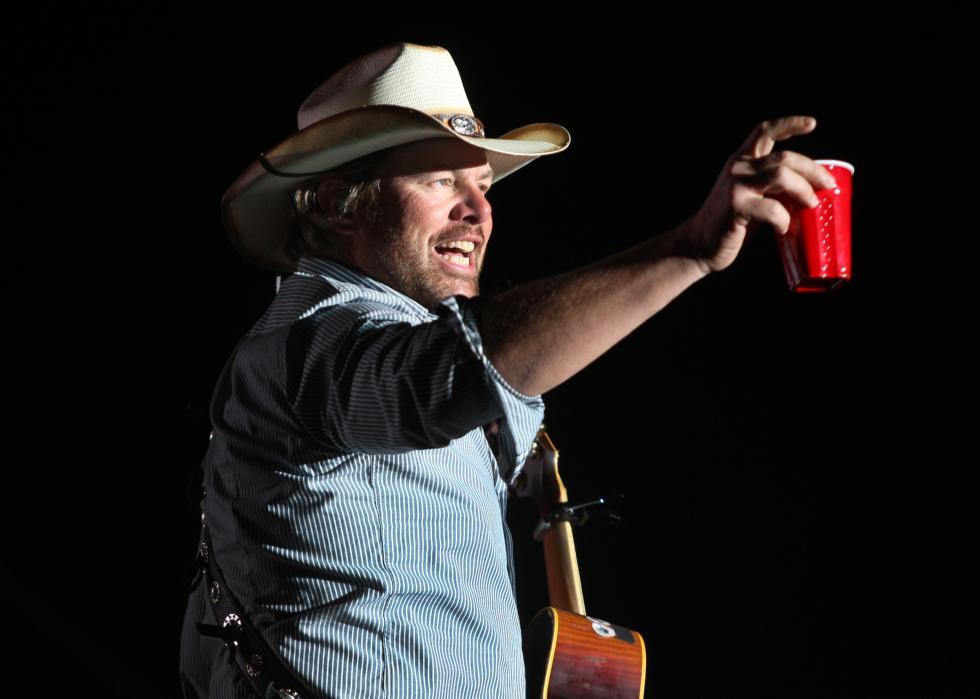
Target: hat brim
[{"x": 255, "y": 208}]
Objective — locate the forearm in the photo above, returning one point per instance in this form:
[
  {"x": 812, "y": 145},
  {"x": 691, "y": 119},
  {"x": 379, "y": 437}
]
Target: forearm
[{"x": 540, "y": 334}]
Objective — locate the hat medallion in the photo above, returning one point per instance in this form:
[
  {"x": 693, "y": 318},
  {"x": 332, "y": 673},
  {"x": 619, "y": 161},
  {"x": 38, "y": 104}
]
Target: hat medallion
[{"x": 465, "y": 125}]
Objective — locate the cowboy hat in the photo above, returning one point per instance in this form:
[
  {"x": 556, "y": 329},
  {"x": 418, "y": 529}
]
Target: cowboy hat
[{"x": 397, "y": 94}]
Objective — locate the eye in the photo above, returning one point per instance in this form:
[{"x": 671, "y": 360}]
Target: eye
[{"x": 445, "y": 179}]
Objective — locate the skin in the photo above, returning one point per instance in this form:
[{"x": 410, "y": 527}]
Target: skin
[
  {"x": 432, "y": 192},
  {"x": 597, "y": 305}
]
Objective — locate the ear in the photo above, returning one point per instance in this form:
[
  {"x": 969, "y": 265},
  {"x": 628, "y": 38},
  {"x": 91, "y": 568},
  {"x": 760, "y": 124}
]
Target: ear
[{"x": 328, "y": 192}]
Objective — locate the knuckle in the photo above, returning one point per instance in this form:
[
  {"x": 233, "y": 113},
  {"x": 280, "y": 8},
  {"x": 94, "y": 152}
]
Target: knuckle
[
  {"x": 776, "y": 210},
  {"x": 778, "y": 157}
]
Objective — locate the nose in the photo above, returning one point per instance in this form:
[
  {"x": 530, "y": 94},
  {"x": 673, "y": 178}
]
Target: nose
[{"x": 472, "y": 206}]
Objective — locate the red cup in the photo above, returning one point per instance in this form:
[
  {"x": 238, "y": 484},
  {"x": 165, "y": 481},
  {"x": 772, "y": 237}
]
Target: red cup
[{"x": 816, "y": 250}]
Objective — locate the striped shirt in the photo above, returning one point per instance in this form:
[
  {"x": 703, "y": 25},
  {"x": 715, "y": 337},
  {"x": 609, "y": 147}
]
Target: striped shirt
[{"x": 355, "y": 505}]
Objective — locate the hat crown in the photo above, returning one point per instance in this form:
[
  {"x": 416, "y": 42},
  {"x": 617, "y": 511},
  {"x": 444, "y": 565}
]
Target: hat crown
[{"x": 424, "y": 78}]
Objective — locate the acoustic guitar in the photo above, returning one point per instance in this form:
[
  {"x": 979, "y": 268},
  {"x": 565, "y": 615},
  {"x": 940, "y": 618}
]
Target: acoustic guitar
[{"x": 567, "y": 653}]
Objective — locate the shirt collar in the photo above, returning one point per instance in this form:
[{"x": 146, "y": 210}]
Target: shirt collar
[{"x": 335, "y": 270}]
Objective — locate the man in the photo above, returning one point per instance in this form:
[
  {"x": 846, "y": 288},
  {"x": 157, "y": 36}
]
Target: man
[{"x": 367, "y": 428}]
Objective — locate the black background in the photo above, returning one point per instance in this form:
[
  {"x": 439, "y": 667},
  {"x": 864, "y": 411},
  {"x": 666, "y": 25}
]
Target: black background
[{"x": 800, "y": 469}]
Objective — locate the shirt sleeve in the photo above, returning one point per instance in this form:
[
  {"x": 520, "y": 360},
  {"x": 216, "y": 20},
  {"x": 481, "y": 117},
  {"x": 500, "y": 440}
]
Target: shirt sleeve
[
  {"x": 361, "y": 377},
  {"x": 522, "y": 414}
]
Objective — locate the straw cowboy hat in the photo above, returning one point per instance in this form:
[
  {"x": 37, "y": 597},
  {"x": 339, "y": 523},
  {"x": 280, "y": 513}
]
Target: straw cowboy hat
[{"x": 397, "y": 94}]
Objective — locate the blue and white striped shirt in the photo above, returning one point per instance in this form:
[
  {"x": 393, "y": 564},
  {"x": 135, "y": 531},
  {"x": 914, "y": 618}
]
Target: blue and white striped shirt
[{"x": 354, "y": 503}]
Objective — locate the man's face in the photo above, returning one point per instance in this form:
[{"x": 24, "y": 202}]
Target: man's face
[{"x": 435, "y": 221}]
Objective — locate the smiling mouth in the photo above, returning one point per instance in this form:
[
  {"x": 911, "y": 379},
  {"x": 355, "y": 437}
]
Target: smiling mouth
[{"x": 456, "y": 258}]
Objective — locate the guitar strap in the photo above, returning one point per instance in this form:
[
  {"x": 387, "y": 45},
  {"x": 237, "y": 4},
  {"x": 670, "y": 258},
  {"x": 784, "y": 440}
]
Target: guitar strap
[{"x": 260, "y": 666}]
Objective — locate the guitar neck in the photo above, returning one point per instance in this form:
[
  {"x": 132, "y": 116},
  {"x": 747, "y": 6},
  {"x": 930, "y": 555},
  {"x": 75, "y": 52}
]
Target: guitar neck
[
  {"x": 561, "y": 565},
  {"x": 561, "y": 562}
]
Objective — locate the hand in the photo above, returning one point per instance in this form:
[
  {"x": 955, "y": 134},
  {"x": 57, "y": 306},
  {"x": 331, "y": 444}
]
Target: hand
[{"x": 738, "y": 201}]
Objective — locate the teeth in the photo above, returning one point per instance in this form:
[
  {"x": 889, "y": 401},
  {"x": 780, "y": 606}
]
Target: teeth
[
  {"x": 456, "y": 259},
  {"x": 464, "y": 245}
]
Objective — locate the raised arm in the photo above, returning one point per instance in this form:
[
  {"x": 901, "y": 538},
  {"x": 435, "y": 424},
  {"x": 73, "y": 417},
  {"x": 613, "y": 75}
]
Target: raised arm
[{"x": 600, "y": 304}]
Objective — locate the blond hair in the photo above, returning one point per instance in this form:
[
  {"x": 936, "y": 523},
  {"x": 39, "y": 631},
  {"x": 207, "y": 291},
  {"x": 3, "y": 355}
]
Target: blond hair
[{"x": 312, "y": 222}]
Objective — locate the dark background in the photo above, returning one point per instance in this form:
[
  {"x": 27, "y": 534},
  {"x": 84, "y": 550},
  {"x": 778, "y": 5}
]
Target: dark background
[{"x": 800, "y": 470}]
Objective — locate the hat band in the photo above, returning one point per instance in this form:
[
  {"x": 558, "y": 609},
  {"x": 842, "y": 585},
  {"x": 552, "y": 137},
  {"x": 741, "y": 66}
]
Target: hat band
[{"x": 463, "y": 124}]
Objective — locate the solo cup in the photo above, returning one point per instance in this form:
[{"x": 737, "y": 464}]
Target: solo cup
[{"x": 816, "y": 250}]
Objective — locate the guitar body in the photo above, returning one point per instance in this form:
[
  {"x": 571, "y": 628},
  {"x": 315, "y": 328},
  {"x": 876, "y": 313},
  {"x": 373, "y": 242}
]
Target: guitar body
[{"x": 572, "y": 656}]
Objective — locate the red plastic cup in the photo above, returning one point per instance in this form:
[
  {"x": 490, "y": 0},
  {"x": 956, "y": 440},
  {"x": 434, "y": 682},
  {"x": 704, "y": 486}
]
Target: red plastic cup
[{"x": 816, "y": 250}]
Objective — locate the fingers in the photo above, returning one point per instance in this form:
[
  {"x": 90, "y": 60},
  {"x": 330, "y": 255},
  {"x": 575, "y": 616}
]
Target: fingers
[
  {"x": 738, "y": 201},
  {"x": 762, "y": 139},
  {"x": 763, "y": 209},
  {"x": 785, "y": 171}
]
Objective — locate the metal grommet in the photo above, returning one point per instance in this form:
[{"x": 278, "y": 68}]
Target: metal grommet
[
  {"x": 254, "y": 666},
  {"x": 232, "y": 620},
  {"x": 215, "y": 592},
  {"x": 202, "y": 552},
  {"x": 203, "y": 519},
  {"x": 211, "y": 436}
]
